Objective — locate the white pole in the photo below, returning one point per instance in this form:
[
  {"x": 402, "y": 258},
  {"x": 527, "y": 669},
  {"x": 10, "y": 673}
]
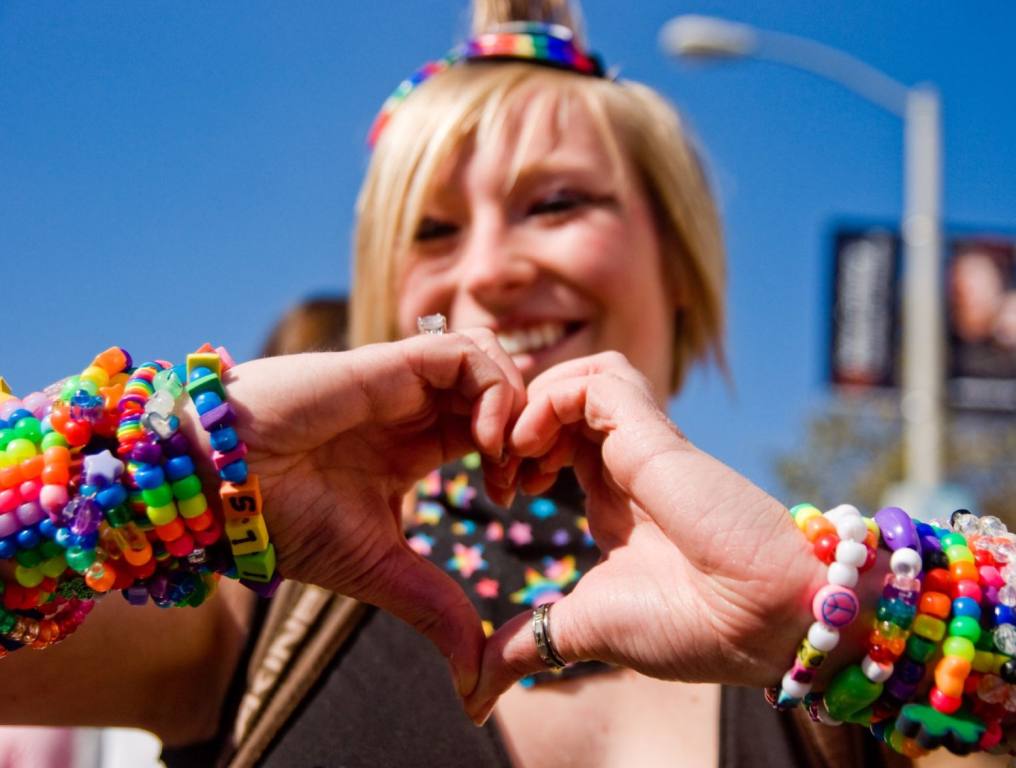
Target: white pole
[{"x": 923, "y": 327}]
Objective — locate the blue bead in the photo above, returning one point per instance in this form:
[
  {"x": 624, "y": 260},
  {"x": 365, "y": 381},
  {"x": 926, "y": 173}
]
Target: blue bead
[
  {"x": 223, "y": 439},
  {"x": 200, "y": 372},
  {"x": 88, "y": 490},
  {"x": 205, "y": 401},
  {"x": 8, "y": 548},
  {"x": 111, "y": 497},
  {"x": 64, "y": 537},
  {"x": 18, "y": 415},
  {"x": 966, "y": 606},
  {"x": 46, "y": 528},
  {"x": 149, "y": 476},
  {"x": 178, "y": 467},
  {"x": 27, "y": 538},
  {"x": 4, "y": 424},
  {"x": 1004, "y": 614},
  {"x": 236, "y": 472},
  {"x": 86, "y": 541}
]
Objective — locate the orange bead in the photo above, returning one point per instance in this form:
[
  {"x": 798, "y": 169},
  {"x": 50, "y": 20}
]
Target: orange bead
[
  {"x": 10, "y": 476},
  {"x": 171, "y": 530},
  {"x": 112, "y": 361},
  {"x": 31, "y": 468},
  {"x": 816, "y": 526},
  {"x": 951, "y": 674},
  {"x": 936, "y": 604},
  {"x": 57, "y": 454},
  {"x": 56, "y": 474},
  {"x": 964, "y": 570},
  {"x": 103, "y": 579}
]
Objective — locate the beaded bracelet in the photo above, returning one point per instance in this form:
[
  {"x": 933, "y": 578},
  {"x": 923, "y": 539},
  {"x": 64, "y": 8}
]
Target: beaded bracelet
[
  {"x": 240, "y": 491},
  {"x": 838, "y": 538}
]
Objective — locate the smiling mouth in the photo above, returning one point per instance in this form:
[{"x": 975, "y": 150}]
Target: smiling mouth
[{"x": 537, "y": 337}]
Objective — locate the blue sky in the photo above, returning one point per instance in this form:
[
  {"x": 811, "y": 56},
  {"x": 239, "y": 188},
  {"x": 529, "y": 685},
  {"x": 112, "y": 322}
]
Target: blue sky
[{"x": 175, "y": 172}]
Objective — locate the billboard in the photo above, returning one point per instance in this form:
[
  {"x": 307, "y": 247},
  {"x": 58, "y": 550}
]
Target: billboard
[{"x": 980, "y": 322}]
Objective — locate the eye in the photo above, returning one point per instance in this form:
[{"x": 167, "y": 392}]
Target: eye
[
  {"x": 565, "y": 201},
  {"x": 431, "y": 229}
]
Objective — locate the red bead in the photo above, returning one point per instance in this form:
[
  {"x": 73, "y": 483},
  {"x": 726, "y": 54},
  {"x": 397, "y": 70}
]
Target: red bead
[
  {"x": 869, "y": 561},
  {"x": 825, "y": 547},
  {"x": 182, "y": 546},
  {"x": 937, "y": 580},
  {"x": 943, "y": 703},
  {"x": 983, "y": 557},
  {"x": 992, "y": 736},
  {"x": 78, "y": 433},
  {"x": 973, "y": 680},
  {"x": 882, "y": 653},
  {"x": 966, "y": 589}
]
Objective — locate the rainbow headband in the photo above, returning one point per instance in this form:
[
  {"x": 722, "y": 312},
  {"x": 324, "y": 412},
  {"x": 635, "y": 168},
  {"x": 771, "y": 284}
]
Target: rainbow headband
[{"x": 551, "y": 45}]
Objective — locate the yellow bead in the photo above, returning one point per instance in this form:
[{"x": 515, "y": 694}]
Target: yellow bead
[
  {"x": 928, "y": 627},
  {"x": 984, "y": 661},
  {"x": 208, "y": 360},
  {"x": 803, "y": 513},
  {"x": 247, "y": 535},
  {"x": 809, "y": 655},
  {"x": 28, "y": 577},
  {"x": 193, "y": 506},
  {"x": 54, "y": 566},
  {"x": 162, "y": 515},
  {"x": 872, "y": 526},
  {"x": 96, "y": 375}
]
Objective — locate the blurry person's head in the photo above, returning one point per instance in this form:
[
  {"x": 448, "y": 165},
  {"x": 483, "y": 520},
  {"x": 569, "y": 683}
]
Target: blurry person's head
[
  {"x": 1005, "y": 322},
  {"x": 315, "y": 325},
  {"x": 977, "y": 287},
  {"x": 567, "y": 212}
]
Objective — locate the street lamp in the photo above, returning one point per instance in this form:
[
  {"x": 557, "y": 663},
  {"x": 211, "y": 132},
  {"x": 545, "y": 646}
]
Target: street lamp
[{"x": 708, "y": 38}]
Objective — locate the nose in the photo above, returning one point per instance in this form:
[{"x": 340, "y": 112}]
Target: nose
[{"x": 493, "y": 270}]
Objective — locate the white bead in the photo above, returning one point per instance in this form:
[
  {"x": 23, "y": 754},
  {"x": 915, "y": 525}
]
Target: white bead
[
  {"x": 836, "y": 514},
  {"x": 992, "y": 526},
  {"x": 1005, "y": 638},
  {"x": 851, "y": 553},
  {"x": 842, "y": 574},
  {"x": 905, "y": 563},
  {"x": 876, "y": 671},
  {"x": 1007, "y": 595},
  {"x": 823, "y": 637},
  {"x": 851, "y": 529},
  {"x": 793, "y": 688}
]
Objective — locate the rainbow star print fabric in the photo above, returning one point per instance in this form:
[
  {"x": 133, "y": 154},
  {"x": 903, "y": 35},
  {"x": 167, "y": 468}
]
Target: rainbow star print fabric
[{"x": 506, "y": 560}]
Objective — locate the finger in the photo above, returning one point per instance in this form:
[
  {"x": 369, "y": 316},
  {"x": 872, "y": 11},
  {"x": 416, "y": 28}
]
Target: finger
[
  {"x": 510, "y": 654},
  {"x": 603, "y": 362},
  {"x": 428, "y": 599},
  {"x": 486, "y": 340}
]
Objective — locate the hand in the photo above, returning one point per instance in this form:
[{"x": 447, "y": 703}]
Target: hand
[
  {"x": 703, "y": 576},
  {"x": 338, "y": 439}
]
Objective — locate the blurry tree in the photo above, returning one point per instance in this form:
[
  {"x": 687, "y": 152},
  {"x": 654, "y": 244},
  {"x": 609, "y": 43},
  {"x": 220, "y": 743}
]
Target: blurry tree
[{"x": 851, "y": 451}]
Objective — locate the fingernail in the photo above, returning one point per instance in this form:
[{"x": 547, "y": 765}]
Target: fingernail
[
  {"x": 504, "y": 458},
  {"x": 462, "y": 686},
  {"x": 485, "y": 712}
]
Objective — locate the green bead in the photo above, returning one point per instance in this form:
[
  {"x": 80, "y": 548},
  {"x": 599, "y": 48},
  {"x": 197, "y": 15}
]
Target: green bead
[
  {"x": 54, "y": 566},
  {"x": 187, "y": 487},
  {"x": 953, "y": 540},
  {"x": 118, "y": 516},
  {"x": 50, "y": 549},
  {"x": 850, "y": 692},
  {"x": 7, "y": 622},
  {"x": 29, "y": 558},
  {"x": 958, "y": 646},
  {"x": 985, "y": 642},
  {"x": 169, "y": 381},
  {"x": 209, "y": 383},
  {"x": 920, "y": 649},
  {"x": 6, "y": 435},
  {"x": 79, "y": 559},
  {"x": 965, "y": 626},
  {"x": 29, "y": 428},
  {"x": 69, "y": 388},
  {"x": 52, "y": 439},
  {"x": 158, "y": 497},
  {"x": 959, "y": 553}
]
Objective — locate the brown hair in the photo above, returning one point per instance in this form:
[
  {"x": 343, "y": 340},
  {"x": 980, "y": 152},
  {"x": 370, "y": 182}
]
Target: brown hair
[{"x": 315, "y": 325}]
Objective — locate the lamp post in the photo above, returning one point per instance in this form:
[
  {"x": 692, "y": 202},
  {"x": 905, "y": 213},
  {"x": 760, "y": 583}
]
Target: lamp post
[{"x": 921, "y": 403}]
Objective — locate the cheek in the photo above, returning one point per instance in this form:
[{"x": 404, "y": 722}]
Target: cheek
[{"x": 420, "y": 293}]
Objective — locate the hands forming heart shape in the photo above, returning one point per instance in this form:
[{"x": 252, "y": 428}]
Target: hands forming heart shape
[{"x": 703, "y": 576}]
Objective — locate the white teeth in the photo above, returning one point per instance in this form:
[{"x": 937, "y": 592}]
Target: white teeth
[{"x": 531, "y": 339}]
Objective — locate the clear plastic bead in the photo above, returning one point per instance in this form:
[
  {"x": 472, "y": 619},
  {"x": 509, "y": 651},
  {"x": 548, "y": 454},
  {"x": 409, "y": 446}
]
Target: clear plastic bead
[
  {"x": 1007, "y": 595},
  {"x": 1005, "y": 638},
  {"x": 993, "y": 689},
  {"x": 906, "y": 584},
  {"x": 1005, "y": 551},
  {"x": 1009, "y": 573},
  {"x": 967, "y": 524},
  {"x": 1010, "y": 699},
  {"x": 992, "y": 526}
]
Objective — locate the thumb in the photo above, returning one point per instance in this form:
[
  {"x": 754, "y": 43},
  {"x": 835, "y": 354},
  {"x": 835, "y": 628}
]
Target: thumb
[
  {"x": 511, "y": 654},
  {"x": 429, "y": 600}
]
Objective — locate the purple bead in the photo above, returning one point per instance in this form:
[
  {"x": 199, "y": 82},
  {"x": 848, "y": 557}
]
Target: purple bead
[
  {"x": 898, "y": 530},
  {"x": 263, "y": 588},
  {"x": 991, "y": 595},
  {"x": 136, "y": 594},
  {"x": 902, "y": 690},
  {"x": 908, "y": 670},
  {"x": 158, "y": 586},
  {"x": 219, "y": 416},
  {"x": 87, "y": 517},
  {"x": 177, "y": 445},
  {"x": 147, "y": 452}
]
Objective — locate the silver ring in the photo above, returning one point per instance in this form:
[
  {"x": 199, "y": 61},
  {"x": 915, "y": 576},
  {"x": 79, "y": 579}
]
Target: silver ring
[
  {"x": 544, "y": 642},
  {"x": 433, "y": 325}
]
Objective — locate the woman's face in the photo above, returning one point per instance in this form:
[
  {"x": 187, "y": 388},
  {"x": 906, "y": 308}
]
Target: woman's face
[{"x": 561, "y": 259}]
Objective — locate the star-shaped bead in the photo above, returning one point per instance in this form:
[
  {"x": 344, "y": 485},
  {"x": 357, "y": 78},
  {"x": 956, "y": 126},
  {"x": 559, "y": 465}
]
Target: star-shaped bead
[{"x": 102, "y": 469}]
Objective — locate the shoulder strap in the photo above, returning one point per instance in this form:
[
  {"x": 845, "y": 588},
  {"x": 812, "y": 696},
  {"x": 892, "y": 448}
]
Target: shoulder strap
[{"x": 304, "y": 629}]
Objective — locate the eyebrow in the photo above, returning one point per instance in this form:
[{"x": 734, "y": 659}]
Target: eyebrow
[{"x": 533, "y": 173}]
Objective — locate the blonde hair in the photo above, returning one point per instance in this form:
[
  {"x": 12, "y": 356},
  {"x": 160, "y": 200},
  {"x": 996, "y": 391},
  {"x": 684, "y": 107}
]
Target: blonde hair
[{"x": 472, "y": 102}]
